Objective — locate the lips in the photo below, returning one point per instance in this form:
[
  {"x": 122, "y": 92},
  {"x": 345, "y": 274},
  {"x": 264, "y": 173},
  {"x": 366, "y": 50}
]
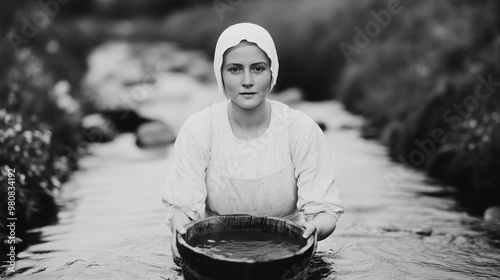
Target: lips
[{"x": 248, "y": 93}]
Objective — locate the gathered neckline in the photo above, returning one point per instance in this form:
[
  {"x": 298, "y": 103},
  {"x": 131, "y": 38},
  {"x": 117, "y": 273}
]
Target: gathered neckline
[{"x": 228, "y": 124}]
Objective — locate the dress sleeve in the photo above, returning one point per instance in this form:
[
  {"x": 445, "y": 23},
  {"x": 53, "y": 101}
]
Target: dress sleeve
[
  {"x": 185, "y": 187},
  {"x": 313, "y": 168}
]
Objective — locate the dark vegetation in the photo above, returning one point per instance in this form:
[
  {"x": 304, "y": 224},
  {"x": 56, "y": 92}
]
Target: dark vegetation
[
  {"x": 39, "y": 120},
  {"x": 423, "y": 88},
  {"x": 407, "y": 81}
]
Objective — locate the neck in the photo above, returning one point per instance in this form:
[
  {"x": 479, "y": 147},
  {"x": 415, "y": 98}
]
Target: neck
[{"x": 249, "y": 123}]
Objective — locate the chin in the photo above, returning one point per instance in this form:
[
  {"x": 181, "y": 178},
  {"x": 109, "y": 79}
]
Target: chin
[{"x": 249, "y": 104}]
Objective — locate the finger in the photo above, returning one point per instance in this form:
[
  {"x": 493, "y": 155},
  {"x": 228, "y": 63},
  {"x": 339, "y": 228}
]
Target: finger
[
  {"x": 181, "y": 229},
  {"x": 175, "y": 253},
  {"x": 173, "y": 244},
  {"x": 308, "y": 231},
  {"x": 178, "y": 261}
]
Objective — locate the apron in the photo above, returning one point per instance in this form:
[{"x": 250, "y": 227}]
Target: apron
[{"x": 272, "y": 195}]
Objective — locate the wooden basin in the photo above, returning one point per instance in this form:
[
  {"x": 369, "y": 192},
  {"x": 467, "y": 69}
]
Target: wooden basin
[{"x": 200, "y": 265}]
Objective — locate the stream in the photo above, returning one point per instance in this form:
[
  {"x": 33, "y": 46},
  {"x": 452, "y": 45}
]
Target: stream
[{"x": 398, "y": 224}]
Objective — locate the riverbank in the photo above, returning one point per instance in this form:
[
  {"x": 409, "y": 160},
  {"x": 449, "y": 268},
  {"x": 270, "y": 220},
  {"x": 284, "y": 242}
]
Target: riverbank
[{"x": 40, "y": 112}]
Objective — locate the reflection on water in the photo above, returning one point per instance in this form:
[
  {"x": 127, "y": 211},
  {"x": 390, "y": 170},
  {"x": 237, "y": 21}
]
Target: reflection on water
[{"x": 321, "y": 265}]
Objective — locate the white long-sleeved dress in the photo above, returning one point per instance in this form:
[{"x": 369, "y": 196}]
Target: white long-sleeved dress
[{"x": 286, "y": 172}]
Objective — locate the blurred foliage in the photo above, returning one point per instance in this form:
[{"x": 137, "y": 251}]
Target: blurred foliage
[
  {"x": 124, "y": 9},
  {"x": 37, "y": 172},
  {"x": 423, "y": 74},
  {"x": 39, "y": 115}
]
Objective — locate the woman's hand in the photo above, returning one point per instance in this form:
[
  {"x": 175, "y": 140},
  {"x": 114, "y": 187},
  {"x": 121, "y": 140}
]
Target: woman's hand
[
  {"x": 179, "y": 219},
  {"x": 322, "y": 225},
  {"x": 310, "y": 228},
  {"x": 175, "y": 252}
]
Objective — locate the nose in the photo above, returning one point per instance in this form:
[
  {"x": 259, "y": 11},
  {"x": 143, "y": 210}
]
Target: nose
[{"x": 247, "y": 80}]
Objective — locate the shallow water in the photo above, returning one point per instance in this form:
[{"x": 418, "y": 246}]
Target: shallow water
[
  {"x": 113, "y": 228},
  {"x": 397, "y": 225}
]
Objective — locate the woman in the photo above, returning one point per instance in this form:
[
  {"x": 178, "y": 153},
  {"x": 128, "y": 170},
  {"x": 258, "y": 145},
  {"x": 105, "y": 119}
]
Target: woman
[{"x": 248, "y": 154}]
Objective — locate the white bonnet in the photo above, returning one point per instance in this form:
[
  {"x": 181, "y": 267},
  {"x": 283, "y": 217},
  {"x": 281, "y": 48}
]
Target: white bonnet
[{"x": 252, "y": 33}]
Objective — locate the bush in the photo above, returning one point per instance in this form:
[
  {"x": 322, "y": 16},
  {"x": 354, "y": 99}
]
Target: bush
[
  {"x": 427, "y": 70},
  {"x": 25, "y": 149},
  {"x": 39, "y": 122},
  {"x": 36, "y": 128}
]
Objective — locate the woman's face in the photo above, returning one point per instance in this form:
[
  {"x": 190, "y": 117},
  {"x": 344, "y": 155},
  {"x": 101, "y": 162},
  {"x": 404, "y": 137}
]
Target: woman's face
[{"x": 246, "y": 75}]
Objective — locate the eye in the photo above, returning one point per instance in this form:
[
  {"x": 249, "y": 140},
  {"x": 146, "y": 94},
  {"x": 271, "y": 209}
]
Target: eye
[
  {"x": 259, "y": 68},
  {"x": 234, "y": 69}
]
